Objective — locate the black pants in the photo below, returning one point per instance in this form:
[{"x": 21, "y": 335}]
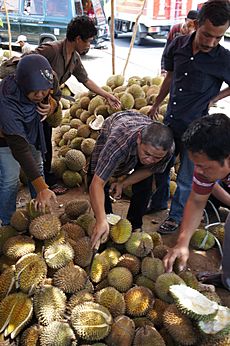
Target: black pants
[
  {"x": 49, "y": 176},
  {"x": 141, "y": 193}
]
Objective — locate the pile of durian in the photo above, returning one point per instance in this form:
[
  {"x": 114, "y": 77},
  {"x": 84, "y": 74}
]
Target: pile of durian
[
  {"x": 54, "y": 290},
  {"x": 76, "y": 135}
]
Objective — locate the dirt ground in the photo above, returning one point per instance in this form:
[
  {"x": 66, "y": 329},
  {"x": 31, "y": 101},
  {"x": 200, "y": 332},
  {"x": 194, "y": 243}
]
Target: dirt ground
[{"x": 199, "y": 260}]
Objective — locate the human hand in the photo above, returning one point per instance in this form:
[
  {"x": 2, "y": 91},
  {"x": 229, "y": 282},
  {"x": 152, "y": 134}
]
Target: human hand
[
  {"x": 43, "y": 109},
  {"x": 178, "y": 251},
  {"x": 116, "y": 190},
  {"x": 113, "y": 101},
  {"x": 44, "y": 199},
  {"x": 154, "y": 111},
  {"x": 100, "y": 233}
]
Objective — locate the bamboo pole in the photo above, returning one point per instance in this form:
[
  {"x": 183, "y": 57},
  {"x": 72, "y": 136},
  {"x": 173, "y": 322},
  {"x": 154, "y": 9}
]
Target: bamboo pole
[
  {"x": 8, "y": 26},
  {"x": 112, "y": 36},
  {"x": 133, "y": 36}
]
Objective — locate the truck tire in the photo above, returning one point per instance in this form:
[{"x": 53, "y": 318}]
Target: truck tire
[
  {"x": 115, "y": 32},
  {"x": 139, "y": 39}
]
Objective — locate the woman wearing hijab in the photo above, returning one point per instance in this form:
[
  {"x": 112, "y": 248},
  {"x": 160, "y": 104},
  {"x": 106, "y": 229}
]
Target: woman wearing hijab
[{"x": 25, "y": 100}]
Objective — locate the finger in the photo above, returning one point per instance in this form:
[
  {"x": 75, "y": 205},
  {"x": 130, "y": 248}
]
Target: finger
[
  {"x": 168, "y": 262},
  {"x": 182, "y": 263}
]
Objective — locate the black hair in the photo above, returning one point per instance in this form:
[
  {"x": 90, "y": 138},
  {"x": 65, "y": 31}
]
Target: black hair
[
  {"x": 192, "y": 14},
  {"x": 81, "y": 26},
  {"x": 217, "y": 11},
  {"x": 209, "y": 135},
  {"x": 158, "y": 135}
]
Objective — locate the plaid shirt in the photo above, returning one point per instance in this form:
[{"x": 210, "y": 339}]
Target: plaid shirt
[{"x": 115, "y": 153}]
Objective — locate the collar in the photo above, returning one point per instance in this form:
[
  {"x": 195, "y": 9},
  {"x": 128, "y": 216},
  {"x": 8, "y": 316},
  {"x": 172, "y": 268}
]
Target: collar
[{"x": 188, "y": 41}]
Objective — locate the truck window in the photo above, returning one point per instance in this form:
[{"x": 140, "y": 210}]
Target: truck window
[
  {"x": 56, "y": 8},
  {"x": 12, "y": 6},
  {"x": 78, "y": 8},
  {"x": 35, "y": 7}
]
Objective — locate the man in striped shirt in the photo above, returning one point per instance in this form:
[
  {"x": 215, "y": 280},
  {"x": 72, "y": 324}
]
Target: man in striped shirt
[
  {"x": 128, "y": 141},
  {"x": 208, "y": 142}
]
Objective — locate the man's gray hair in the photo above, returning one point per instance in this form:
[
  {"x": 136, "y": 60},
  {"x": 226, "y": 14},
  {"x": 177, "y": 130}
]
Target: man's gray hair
[{"x": 158, "y": 135}]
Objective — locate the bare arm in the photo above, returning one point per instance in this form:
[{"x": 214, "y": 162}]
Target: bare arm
[
  {"x": 222, "y": 94},
  {"x": 135, "y": 177},
  {"x": 222, "y": 195},
  {"x": 164, "y": 90},
  {"x": 112, "y": 100},
  {"x": 191, "y": 219},
  {"x": 97, "y": 199}
]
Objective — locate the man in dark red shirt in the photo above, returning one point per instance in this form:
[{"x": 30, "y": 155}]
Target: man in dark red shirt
[{"x": 208, "y": 144}]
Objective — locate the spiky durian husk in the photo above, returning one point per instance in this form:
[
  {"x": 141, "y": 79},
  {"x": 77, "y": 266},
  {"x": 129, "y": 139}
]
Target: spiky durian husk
[
  {"x": 70, "y": 278},
  {"x": 87, "y": 222},
  {"x": 30, "y": 270},
  {"x": 211, "y": 341},
  {"x": 102, "y": 284},
  {"x": 193, "y": 303},
  {"x": 130, "y": 262},
  {"x": 138, "y": 301},
  {"x": 76, "y": 207},
  {"x": 163, "y": 283},
  {"x": 15, "y": 312},
  {"x": 202, "y": 239},
  {"x": 139, "y": 244},
  {"x": 160, "y": 251},
  {"x": 58, "y": 255},
  {"x": 190, "y": 279},
  {"x": 122, "y": 332},
  {"x": 141, "y": 280},
  {"x": 91, "y": 321},
  {"x": 179, "y": 326},
  {"x": 120, "y": 278},
  {"x": 152, "y": 267},
  {"x": 112, "y": 255},
  {"x": 121, "y": 231},
  {"x": 219, "y": 325},
  {"x": 18, "y": 246},
  {"x": 7, "y": 281},
  {"x": 79, "y": 298},
  {"x": 57, "y": 334},
  {"x": 6, "y": 232},
  {"x": 155, "y": 313},
  {"x": 30, "y": 336},
  {"x": 112, "y": 300},
  {"x": 59, "y": 167},
  {"x": 32, "y": 212},
  {"x": 147, "y": 336},
  {"x": 45, "y": 226},
  {"x": 168, "y": 339},
  {"x": 218, "y": 231},
  {"x": 142, "y": 322},
  {"x": 156, "y": 238},
  {"x": 73, "y": 231},
  {"x": 83, "y": 252},
  {"x": 87, "y": 146},
  {"x": 99, "y": 268},
  {"x": 59, "y": 238},
  {"x": 55, "y": 119},
  {"x": 20, "y": 220},
  {"x": 49, "y": 304},
  {"x": 75, "y": 159}
]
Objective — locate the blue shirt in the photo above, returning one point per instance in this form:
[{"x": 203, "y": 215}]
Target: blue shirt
[{"x": 196, "y": 80}]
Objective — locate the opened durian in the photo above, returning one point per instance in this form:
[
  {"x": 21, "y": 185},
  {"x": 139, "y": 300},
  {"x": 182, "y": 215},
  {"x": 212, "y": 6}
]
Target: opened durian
[{"x": 121, "y": 231}]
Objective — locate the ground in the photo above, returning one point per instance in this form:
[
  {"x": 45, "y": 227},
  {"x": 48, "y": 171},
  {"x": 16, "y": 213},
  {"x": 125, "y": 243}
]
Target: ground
[{"x": 199, "y": 260}]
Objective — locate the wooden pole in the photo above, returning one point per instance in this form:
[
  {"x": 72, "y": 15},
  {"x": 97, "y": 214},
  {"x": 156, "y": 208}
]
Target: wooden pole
[
  {"x": 133, "y": 36},
  {"x": 112, "y": 36},
  {"x": 8, "y": 26}
]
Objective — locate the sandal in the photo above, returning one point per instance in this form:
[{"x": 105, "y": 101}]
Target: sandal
[
  {"x": 168, "y": 226},
  {"x": 208, "y": 278},
  {"x": 59, "y": 189}
]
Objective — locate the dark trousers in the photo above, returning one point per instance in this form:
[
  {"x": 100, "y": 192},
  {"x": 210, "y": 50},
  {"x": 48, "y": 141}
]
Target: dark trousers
[
  {"x": 49, "y": 176},
  {"x": 141, "y": 193}
]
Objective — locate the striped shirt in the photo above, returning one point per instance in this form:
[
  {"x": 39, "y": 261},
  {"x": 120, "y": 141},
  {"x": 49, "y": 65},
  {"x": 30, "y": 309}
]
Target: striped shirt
[
  {"x": 204, "y": 187},
  {"x": 115, "y": 153}
]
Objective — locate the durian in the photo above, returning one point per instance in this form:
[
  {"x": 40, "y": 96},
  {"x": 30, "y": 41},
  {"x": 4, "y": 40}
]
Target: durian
[
  {"x": 122, "y": 332},
  {"x": 148, "y": 336},
  {"x": 75, "y": 160},
  {"x": 139, "y": 244},
  {"x": 76, "y": 207},
  {"x": 16, "y": 247},
  {"x": 57, "y": 334},
  {"x": 152, "y": 267},
  {"x": 71, "y": 179},
  {"x": 121, "y": 231},
  {"x": 70, "y": 278},
  {"x": 112, "y": 300},
  {"x": 20, "y": 220},
  {"x": 58, "y": 255},
  {"x": 138, "y": 301},
  {"x": 120, "y": 278},
  {"x": 163, "y": 283},
  {"x": 130, "y": 262},
  {"x": 45, "y": 226},
  {"x": 202, "y": 240}
]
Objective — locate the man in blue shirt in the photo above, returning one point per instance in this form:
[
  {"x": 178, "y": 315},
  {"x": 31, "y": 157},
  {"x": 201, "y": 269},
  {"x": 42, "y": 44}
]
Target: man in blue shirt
[{"x": 196, "y": 68}]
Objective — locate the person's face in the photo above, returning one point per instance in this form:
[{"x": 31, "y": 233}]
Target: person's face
[
  {"x": 208, "y": 169},
  {"x": 148, "y": 154},
  {"x": 38, "y": 96},
  {"x": 82, "y": 46},
  {"x": 208, "y": 36},
  {"x": 21, "y": 43}
]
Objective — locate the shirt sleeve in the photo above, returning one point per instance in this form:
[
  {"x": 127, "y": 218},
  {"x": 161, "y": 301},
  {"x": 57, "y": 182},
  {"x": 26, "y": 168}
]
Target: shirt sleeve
[
  {"x": 201, "y": 186},
  {"x": 168, "y": 56}
]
